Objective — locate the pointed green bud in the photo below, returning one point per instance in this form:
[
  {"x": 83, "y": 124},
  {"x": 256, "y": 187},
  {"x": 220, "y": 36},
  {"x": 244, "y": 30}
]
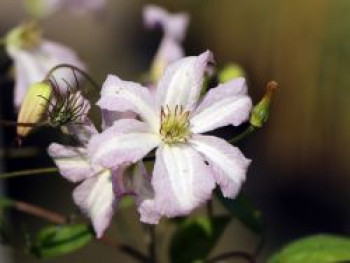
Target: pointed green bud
[
  {"x": 260, "y": 112},
  {"x": 34, "y": 107},
  {"x": 231, "y": 71}
]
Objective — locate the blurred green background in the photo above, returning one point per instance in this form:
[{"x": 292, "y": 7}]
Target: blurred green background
[{"x": 300, "y": 174}]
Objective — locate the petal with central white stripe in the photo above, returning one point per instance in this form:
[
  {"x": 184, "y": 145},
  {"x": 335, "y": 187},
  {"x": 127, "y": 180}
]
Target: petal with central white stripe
[
  {"x": 228, "y": 163},
  {"x": 122, "y": 96},
  {"x": 227, "y": 104},
  {"x": 126, "y": 141},
  {"x": 182, "y": 81},
  {"x": 95, "y": 197},
  {"x": 71, "y": 161},
  {"x": 181, "y": 180}
]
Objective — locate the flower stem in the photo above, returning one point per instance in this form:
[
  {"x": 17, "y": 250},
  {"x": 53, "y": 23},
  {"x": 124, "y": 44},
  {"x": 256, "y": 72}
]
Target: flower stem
[
  {"x": 28, "y": 172},
  {"x": 244, "y": 134},
  {"x": 35, "y": 211}
]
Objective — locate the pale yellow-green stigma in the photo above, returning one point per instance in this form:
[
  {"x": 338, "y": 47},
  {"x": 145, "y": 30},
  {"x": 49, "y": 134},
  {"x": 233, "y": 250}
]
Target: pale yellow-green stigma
[
  {"x": 174, "y": 125},
  {"x": 34, "y": 107},
  {"x": 26, "y": 36}
]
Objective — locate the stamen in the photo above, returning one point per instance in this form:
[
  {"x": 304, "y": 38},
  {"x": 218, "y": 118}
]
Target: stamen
[{"x": 174, "y": 126}]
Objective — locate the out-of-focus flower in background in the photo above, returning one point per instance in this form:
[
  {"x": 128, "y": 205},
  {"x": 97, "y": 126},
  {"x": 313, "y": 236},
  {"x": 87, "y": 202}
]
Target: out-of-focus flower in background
[
  {"x": 174, "y": 28},
  {"x": 33, "y": 56},
  {"x": 188, "y": 164},
  {"x": 43, "y": 8}
]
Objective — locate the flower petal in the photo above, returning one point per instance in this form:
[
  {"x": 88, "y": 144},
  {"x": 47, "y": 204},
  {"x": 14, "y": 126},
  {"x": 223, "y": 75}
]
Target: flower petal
[
  {"x": 127, "y": 141},
  {"x": 228, "y": 163},
  {"x": 173, "y": 25},
  {"x": 182, "y": 81},
  {"x": 71, "y": 161},
  {"x": 119, "y": 95},
  {"x": 181, "y": 180},
  {"x": 109, "y": 117},
  {"x": 32, "y": 66},
  {"x": 27, "y": 72},
  {"x": 224, "y": 105},
  {"x": 95, "y": 197}
]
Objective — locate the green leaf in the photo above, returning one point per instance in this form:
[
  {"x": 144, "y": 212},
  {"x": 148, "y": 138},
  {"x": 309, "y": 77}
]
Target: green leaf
[
  {"x": 315, "y": 249},
  {"x": 195, "y": 238},
  {"x": 53, "y": 241},
  {"x": 242, "y": 208}
]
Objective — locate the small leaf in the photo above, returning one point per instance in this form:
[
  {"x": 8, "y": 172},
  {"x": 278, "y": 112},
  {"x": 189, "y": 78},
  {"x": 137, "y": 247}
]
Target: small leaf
[
  {"x": 243, "y": 209},
  {"x": 315, "y": 249},
  {"x": 54, "y": 241},
  {"x": 195, "y": 238}
]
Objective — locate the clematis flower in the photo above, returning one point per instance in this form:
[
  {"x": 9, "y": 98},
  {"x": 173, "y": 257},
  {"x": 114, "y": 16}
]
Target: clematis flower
[
  {"x": 43, "y": 8},
  {"x": 188, "y": 164},
  {"x": 174, "y": 28},
  {"x": 33, "y": 57},
  {"x": 100, "y": 188}
]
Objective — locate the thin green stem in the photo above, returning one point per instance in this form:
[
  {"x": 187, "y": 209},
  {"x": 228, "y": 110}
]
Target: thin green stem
[
  {"x": 244, "y": 134},
  {"x": 28, "y": 172}
]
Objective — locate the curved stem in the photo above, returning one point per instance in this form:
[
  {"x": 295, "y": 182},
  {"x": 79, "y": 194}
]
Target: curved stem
[
  {"x": 74, "y": 68},
  {"x": 234, "y": 254},
  {"x": 28, "y": 172},
  {"x": 39, "y": 212},
  {"x": 244, "y": 134}
]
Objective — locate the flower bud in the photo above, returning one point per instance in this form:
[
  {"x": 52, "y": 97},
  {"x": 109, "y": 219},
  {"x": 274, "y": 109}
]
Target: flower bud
[
  {"x": 260, "y": 112},
  {"x": 26, "y": 36},
  {"x": 34, "y": 107},
  {"x": 231, "y": 71}
]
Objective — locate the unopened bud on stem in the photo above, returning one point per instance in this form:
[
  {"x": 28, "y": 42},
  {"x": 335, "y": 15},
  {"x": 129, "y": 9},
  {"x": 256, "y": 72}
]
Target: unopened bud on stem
[
  {"x": 260, "y": 112},
  {"x": 34, "y": 107}
]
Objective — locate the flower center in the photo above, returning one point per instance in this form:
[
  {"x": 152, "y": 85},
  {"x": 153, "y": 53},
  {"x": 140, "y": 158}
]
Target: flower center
[{"x": 174, "y": 125}]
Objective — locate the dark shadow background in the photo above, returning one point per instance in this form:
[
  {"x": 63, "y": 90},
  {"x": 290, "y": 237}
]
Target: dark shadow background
[{"x": 299, "y": 176}]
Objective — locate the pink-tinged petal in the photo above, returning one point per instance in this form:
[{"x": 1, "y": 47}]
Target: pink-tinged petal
[
  {"x": 95, "y": 197},
  {"x": 182, "y": 81},
  {"x": 173, "y": 25},
  {"x": 148, "y": 212},
  {"x": 119, "y": 95},
  {"x": 127, "y": 141},
  {"x": 181, "y": 180},
  {"x": 224, "y": 105},
  {"x": 228, "y": 163},
  {"x": 109, "y": 117},
  {"x": 135, "y": 181},
  {"x": 72, "y": 162}
]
